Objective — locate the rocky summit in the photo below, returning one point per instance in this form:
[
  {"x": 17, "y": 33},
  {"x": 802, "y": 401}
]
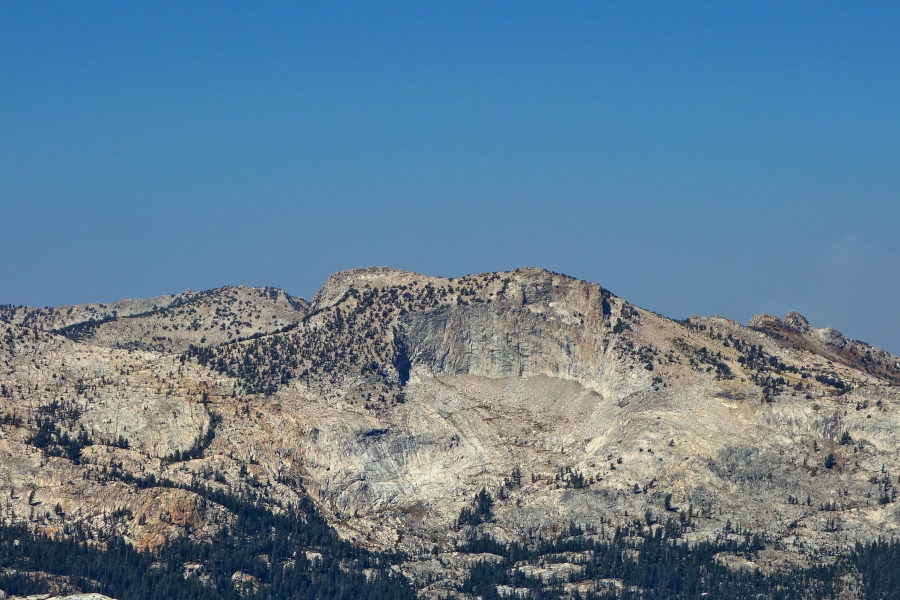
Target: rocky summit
[{"x": 434, "y": 424}]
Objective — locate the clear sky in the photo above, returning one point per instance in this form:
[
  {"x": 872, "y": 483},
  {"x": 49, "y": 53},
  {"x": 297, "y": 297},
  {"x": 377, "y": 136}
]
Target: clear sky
[{"x": 724, "y": 158}]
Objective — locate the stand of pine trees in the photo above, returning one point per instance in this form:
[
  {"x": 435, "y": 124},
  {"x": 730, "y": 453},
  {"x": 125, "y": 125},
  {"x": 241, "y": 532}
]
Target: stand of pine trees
[
  {"x": 654, "y": 564},
  {"x": 271, "y": 548},
  {"x": 651, "y": 560}
]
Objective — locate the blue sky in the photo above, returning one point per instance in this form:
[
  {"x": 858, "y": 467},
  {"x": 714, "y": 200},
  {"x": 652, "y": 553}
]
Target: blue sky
[{"x": 694, "y": 158}]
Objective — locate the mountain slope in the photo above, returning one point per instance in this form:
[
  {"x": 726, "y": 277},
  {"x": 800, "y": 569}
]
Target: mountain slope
[{"x": 394, "y": 401}]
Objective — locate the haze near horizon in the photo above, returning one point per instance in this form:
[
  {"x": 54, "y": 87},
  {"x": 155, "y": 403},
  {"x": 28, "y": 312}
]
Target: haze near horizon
[{"x": 693, "y": 159}]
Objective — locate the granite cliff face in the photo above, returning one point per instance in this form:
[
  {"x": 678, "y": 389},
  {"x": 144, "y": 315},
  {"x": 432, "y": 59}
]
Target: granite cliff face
[{"x": 392, "y": 399}]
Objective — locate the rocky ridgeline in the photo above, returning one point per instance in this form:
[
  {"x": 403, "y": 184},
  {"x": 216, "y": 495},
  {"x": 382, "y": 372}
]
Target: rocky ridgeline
[
  {"x": 168, "y": 323},
  {"x": 393, "y": 400}
]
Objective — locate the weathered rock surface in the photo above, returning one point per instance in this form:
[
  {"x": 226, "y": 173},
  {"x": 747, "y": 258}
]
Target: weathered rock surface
[
  {"x": 169, "y": 323},
  {"x": 393, "y": 399}
]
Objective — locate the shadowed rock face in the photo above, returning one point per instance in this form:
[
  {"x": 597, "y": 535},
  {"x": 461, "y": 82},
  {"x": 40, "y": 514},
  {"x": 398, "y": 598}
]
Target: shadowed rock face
[{"x": 394, "y": 398}]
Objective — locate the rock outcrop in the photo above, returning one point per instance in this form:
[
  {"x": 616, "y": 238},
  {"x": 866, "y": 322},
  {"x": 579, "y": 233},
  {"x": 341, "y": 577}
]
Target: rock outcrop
[{"x": 393, "y": 398}]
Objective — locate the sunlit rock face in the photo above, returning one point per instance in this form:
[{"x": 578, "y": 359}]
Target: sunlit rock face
[{"x": 393, "y": 398}]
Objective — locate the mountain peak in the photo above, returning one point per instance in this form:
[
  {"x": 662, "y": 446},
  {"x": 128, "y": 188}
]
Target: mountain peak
[
  {"x": 340, "y": 283},
  {"x": 797, "y": 322},
  {"x": 397, "y": 398}
]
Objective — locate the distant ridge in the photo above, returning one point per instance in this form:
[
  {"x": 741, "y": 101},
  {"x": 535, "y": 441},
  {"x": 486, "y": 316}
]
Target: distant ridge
[{"x": 435, "y": 424}]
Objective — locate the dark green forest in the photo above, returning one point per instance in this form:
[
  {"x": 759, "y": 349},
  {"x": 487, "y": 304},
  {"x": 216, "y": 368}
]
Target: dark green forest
[
  {"x": 268, "y": 547},
  {"x": 652, "y": 562}
]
